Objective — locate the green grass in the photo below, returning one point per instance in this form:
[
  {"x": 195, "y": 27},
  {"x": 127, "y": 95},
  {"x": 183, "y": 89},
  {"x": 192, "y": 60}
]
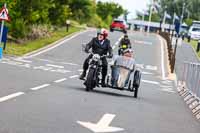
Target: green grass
[
  {"x": 194, "y": 45},
  {"x": 29, "y": 46}
]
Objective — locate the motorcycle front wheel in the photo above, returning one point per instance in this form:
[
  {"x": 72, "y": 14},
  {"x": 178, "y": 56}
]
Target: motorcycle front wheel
[{"x": 90, "y": 84}]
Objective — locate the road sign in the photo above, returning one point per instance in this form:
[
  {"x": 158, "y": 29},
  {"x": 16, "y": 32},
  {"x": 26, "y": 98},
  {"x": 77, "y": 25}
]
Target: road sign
[
  {"x": 177, "y": 26},
  {"x": 4, "y": 14},
  {"x": 102, "y": 126},
  {"x": 4, "y": 35}
]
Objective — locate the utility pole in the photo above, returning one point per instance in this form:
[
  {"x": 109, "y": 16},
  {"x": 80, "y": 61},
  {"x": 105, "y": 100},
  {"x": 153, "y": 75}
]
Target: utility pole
[
  {"x": 150, "y": 15},
  {"x": 164, "y": 19},
  {"x": 183, "y": 11}
]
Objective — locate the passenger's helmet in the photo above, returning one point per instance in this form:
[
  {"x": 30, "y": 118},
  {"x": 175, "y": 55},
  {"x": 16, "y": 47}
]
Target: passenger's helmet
[
  {"x": 128, "y": 50},
  {"x": 103, "y": 32}
]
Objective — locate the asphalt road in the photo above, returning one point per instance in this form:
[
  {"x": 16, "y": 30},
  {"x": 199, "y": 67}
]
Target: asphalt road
[{"x": 42, "y": 93}]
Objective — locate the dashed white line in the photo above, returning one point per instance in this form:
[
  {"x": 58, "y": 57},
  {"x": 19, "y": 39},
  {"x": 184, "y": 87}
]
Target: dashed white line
[
  {"x": 22, "y": 60},
  {"x": 39, "y": 87},
  {"x": 147, "y": 73},
  {"x": 51, "y": 65},
  {"x": 74, "y": 76},
  {"x": 60, "y": 80},
  {"x": 150, "y": 82},
  {"x": 2, "y": 99}
]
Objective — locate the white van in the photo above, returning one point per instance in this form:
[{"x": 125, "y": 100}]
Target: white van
[{"x": 194, "y": 33}]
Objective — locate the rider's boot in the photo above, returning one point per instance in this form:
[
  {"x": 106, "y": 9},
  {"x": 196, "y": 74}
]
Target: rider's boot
[{"x": 82, "y": 75}]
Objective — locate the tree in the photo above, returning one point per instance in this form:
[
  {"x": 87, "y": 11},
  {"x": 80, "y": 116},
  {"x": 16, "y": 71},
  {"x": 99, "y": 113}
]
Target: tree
[{"x": 104, "y": 9}]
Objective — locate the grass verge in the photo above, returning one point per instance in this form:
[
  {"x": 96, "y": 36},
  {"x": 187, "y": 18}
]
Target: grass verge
[
  {"x": 29, "y": 46},
  {"x": 194, "y": 45}
]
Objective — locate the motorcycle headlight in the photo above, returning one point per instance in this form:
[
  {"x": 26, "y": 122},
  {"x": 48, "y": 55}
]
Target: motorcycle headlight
[{"x": 96, "y": 57}]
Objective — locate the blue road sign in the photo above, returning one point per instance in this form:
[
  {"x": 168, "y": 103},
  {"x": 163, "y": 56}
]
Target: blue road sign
[
  {"x": 4, "y": 37},
  {"x": 177, "y": 26}
]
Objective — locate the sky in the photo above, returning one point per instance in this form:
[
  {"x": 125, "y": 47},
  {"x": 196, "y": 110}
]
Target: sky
[{"x": 131, "y": 5}]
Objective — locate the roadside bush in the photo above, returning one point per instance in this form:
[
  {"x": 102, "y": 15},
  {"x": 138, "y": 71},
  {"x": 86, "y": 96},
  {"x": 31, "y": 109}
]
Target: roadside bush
[
  {"x": 18, "y": 29},
  {"x": 39, "y": 31}
]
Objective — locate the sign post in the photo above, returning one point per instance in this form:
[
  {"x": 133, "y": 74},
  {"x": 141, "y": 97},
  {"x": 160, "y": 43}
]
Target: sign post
[
  {"x": 67, "y": 25},
  {"x": 3, "y": 17}
]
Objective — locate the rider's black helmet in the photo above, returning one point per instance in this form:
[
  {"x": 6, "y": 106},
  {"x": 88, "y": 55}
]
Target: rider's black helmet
[{"x": 125, "y": 36}]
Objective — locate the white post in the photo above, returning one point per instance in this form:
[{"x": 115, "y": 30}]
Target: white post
[
  {"x": 164, "y": 19},
  {"x": 150, "y": 15}
]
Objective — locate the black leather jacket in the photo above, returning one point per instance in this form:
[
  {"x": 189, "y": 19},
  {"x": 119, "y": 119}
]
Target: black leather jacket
[
  {"x": 125, "y": 42},
  {"x": 98, "y": 48}
]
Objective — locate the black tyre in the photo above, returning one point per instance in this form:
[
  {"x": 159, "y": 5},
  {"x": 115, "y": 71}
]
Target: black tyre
[
  {"x": 90, "y": 84},
  {"x": 136, "y": 92},
  {"x": 137, "y": 78},
  {"x": 111, "y": 30},
  {"x": 130, "y": 86}
]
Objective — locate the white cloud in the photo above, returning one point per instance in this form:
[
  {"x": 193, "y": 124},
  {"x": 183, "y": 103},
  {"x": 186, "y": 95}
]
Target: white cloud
[{"x": 131, "y": 5}]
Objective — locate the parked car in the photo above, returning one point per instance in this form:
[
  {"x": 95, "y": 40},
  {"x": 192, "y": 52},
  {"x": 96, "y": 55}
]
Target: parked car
[
  {"x": 119, "y": 25},
  {"x": 194, "y": 33}
]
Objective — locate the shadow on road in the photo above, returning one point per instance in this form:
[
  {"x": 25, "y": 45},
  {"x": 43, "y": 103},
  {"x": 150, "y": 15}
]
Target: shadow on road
[{"x": 103, "y": 92}]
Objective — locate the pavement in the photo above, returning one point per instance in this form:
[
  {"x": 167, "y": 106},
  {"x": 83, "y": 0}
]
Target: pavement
[
  {"x": 185, "y": 53},
  {"x": 41, "y": 93}
]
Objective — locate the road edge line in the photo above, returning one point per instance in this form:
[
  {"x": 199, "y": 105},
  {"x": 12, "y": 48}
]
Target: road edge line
[
  {"x": 54, "y": 44},
  {"x": 162, "y": 58}
]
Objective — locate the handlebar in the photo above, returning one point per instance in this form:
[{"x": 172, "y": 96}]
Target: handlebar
[{"x": 102, "y": 56}]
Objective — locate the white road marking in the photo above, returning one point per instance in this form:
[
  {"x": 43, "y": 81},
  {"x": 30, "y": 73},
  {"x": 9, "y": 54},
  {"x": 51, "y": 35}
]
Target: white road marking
[
  {"x": 162, "y": 58},
  {"x": 168, "y": 90},
  {"x": 102, "y": 126},
  {"x": 143, "y": 42},
  {"x": 5, "y": 59},
  {"x": 74, "y": 76},
  {"x": 149, "y": 67},
  {"x": 151, "y": 82},
  {"x": 2, "y": 99},
  {"x": 147, "y": 73},
  {"x": 51, "y": 65},
  {"x": 42, "y": 68},
  {"x": 69, "y": 63},
  {"x": 140, "y": 66},
  {"x": 39, "y": 87},
  {"x": 26, "y": 65},
  {"x": 50, "y": 61},
  {"x": 54, "y": 46},
  {"x": 12, "y": 63},
  {"x": 60, "y": 71},
  {"x": 22, "y": 60},
  {"x": 60, "y": 80},
  {"x": 116, "y": 43}
]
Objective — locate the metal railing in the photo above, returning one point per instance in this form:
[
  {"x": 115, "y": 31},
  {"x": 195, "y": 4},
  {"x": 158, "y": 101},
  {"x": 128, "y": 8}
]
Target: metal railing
[{"x": 189, "y": 86}]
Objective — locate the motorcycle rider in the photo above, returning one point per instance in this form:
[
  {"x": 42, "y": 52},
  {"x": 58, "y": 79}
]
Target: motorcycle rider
[
  {"x": 125, "y": 41},
  {"x": 99, "y": 45}
]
